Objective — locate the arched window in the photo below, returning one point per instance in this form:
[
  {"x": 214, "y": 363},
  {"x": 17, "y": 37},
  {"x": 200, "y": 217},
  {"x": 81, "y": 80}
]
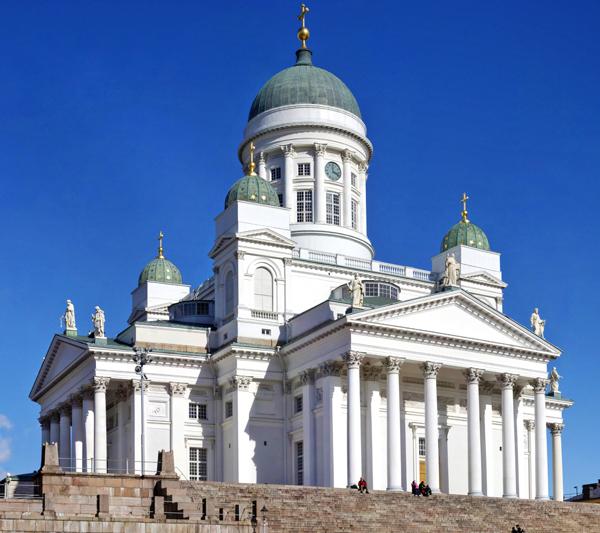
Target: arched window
[
  {"x": 229, "y": 293},
  {"x": 263, "y": 290}
]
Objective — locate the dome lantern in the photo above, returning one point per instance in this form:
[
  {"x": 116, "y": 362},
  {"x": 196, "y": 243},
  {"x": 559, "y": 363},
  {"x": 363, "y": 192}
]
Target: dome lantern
[
  {"x": 160, "y": 269},
  {"x": 465, "y": 232}
]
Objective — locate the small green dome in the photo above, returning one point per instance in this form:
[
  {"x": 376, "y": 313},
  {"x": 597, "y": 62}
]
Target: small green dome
[
  {"x": 161, "y": 270},
  {"x": 304, "y": 84},
  {"x": 252, "y": 188},
  {"x": 467, "y": 234}
]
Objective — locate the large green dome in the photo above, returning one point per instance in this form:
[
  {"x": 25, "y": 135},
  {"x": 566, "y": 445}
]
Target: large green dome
[
  {"x": 252, "y": 188},
  {"x": 467, "y": 234},
  {"x": 304, "y": 84}
]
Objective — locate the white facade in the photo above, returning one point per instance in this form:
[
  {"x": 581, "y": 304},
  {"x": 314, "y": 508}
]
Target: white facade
[{"x": 266, "y": 374}]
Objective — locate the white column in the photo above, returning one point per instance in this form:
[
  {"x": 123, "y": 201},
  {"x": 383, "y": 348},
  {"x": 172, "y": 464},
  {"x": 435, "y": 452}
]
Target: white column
[
  {"x": 444, "y": 474},
  {"x": 45, "y": 427},
  {"x": 374, "y": 461},
  {"x": 541, "y": 448},
  {"x": 121, "y": 464},
  {"x": 432, "y": 456},
  {"x": 473, "y": 376},
  {"x": 488, "y": 447},
  {"x": 509, "y": 474},
  {"x": 394, "y": 474},
  {"x": 88, "y": 429},
  {"x": 362, "y": 183},
  {"x": 557, "y": 462},
  {"x": 415, "y": 456},
  {"x": 242, "y": 402},
  {"x": 334, "y": 469},
  {"x": 319, "y": 173},
  {"x": 530, "y": 426},
  {"x": 55, "y": 427},
  {"x": 136, "y": 424},
  {"x": 288, "y": 179},
  {"x": 100, "y": 452},
  {"x": 64, "y": 445},
  {"x": 347, "y": 177},
  {"x": 353, "y": 360},
  {"x": 77, "y": 422},
  {"x": 262, "y": 167},
  {"x": 179, "y": 413},
  {"x": 308, "y": 427}
]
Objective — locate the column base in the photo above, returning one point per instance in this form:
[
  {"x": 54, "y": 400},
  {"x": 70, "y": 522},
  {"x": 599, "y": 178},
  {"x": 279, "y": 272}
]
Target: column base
[
  {"x": 395, "y": 489},
  {"x": 542, "y": 498},
  {"x": 436, "y": 491},
  {"x": 512, "y": 496},
  {"x": 476, "y": 494}
]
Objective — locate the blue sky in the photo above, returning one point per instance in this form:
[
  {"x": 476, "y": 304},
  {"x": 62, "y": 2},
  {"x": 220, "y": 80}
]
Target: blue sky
[{"x": 118, "y": 119}]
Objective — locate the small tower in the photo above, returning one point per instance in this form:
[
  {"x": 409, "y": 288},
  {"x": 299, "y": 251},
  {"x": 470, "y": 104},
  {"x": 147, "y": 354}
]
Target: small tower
[
  {"x": 479, "y": 266},
  {"x": 159, "y": 285}
]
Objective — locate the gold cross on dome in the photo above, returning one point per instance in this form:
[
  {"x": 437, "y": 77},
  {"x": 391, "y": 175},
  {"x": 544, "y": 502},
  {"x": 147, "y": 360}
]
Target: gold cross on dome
[
  {"x": 464, "y": 203},
  {"x": 303, "y": 11},
  {"x": 160, "y": 245},
  {"x": 252, "y": 166}
]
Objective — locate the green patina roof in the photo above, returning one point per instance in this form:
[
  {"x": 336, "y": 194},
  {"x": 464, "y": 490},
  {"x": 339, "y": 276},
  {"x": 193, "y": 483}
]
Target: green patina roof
[
  {"x": 161, "y": 270},
  {"x": 304, "y": 84},
  {"x": 465, "y": 233},
  {"x": 252, "y": 189}
]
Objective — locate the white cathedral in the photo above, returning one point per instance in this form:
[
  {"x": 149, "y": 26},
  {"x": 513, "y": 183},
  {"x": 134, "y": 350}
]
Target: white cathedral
[{"x": 302, "y": 359}]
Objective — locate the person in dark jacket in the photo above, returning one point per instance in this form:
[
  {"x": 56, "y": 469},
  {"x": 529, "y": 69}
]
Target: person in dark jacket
[
  {"x": 362, "y": 486},
  {"x": 415, "y": 488}
]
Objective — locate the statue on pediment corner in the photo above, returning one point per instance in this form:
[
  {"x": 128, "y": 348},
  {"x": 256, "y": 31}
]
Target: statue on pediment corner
[
  {"x": 357, "y": 288},
  {"x": 537, "y": 324},
  {"x": 451, "y": 272},
  {"x": 554, "y": 377}
]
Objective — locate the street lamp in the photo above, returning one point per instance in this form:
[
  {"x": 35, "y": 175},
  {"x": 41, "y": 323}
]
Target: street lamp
[
  {"x": 142, "y": 357},
  {"x": 264, "y": 512}
]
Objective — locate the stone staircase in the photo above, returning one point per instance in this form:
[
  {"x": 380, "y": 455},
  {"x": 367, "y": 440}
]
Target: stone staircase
[{"x": 302, "y": 509}]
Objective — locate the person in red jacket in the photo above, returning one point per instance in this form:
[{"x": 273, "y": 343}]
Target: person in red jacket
[{"x": 362, "y": 486}]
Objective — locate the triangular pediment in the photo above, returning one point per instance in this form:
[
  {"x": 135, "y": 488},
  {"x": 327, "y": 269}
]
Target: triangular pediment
[
  {"x": 484, "y": 278},
  {"x": 263, "y": 236},
  {"x": 458, "y": 315},
  {"x": 64, "y": 353},
  {"x": 266, "y": 236}
]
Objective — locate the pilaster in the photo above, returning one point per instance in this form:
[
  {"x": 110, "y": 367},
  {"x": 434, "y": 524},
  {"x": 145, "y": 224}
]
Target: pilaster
[{"x": 178, "y": 407}]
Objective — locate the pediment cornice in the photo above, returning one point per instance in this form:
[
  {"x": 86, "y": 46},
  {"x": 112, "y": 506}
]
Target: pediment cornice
[
  {"x": 263, "y": 236},
  {"x": 484, "y": 278}
]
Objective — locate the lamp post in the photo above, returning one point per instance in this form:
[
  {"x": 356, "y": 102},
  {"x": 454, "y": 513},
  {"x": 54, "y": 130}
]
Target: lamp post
[
  {"x": 142, "y": 357},
  {"x": 264, "y": 512}
]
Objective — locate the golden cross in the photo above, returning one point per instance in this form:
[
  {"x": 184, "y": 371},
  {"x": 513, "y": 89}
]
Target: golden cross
[
  {"x": 303, "y": 11},
  {"x": 464, "y": 203},
  {"x": 252, "y": 166},
  {"x": 160, "y": 245}
]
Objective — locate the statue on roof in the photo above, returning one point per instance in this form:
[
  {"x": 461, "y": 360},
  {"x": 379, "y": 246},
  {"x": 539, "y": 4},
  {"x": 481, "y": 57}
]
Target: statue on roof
[
  {"x": 537, "y": 324},
  {"x": 69, "y": 316},
  {"x": 98, "y": 320},
  {"x": 451, "y": 272},
  {"x": 357, "y": 288},
  {"x": 554, "y": 377}
]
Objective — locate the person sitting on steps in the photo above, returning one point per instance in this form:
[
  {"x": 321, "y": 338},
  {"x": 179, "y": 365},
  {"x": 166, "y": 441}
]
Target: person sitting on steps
[
  {"x": 415, "y": 488},
  {"x": 362, "y": 486}
]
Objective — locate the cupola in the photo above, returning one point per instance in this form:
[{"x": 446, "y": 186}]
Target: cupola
[
  {"x": 465, "y": 233},
  {"x": 160, "y": 269}
]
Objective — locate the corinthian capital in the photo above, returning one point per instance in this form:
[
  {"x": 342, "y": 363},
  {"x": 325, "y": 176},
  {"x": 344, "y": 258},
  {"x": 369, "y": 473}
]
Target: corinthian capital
[
  {"x": 177, "y": 389},
  {"x": 507, "y": 380},
  {"x": 353, "y": 359},
  {"x": 556, "y": 428},
  {"x": 393, "y": 364},
  {"x": 363, "y": 167},
  {"x": 539, "y": 384},
  {"x": 329, "y": 368},
  {"x": 473, "y": 375},
  {"x": 430, "y": 370},
  {"x": 307, "y": 377},
  {"x": 100, "y": 384},
  {"x": 288, "y": 150},
  {"x": 320, "y": 149},
  {"x": 530, "y": 425},
  {"x": 347, "y": 156}
]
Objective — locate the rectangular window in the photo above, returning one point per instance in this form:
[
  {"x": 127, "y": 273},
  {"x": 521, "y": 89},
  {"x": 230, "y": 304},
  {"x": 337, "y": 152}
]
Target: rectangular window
[
  {"x": 303, "y": 169},
  {"x": 198, "y": 464},
  {"x": 202, "y": 308},
  {"x": 298, "y": 404},
  {"x": 280, "y": 197},
  {"x": 354, "y": 214},
  {"x": 332, "y": 212},
  {"x": 228, "y": 409},
  {"x": 353, "y": 179},
  {"x": 197, "y": 411},
  {"x": 422, "y": 446},
  {"x": 275, "y": 173},
  {"x": 300, "y": 462},
  {"x": 304, "y": 206}
]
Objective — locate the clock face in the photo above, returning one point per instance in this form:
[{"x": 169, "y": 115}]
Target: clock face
[{"x": 333, "y": 171}]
